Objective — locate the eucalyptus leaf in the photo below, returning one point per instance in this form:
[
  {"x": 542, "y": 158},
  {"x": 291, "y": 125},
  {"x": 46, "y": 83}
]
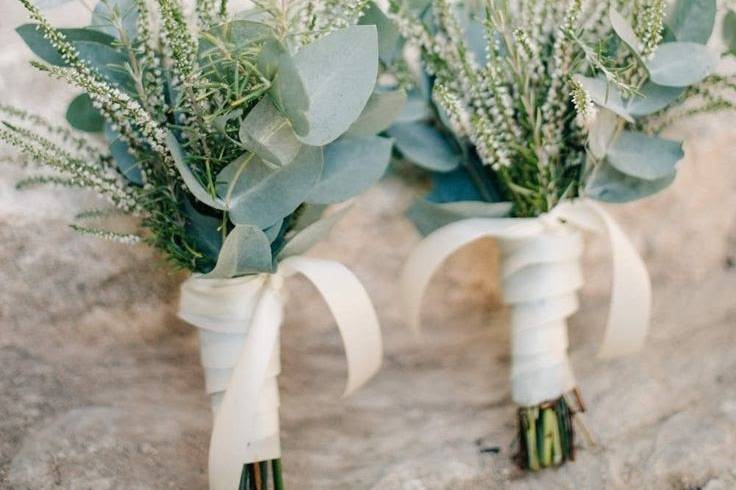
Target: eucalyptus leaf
[
  {"x": 306, "y": 215},
  {"x": 602, "y": 132},
  {"x": 33, "y": 36},
  {"x": 428, "y": 216},
  {"x": 389, "y": 38},
  {"x": 268, "y": 133},
  {"x": 203, "y": 231},
  {"x": 273, "y": 232},
  {"x": 456, "y": 185},
  {"x": 49, "y": 4},
  {"x": 339, "y": 72},
  {"x": 261, "y": 194},
  {"x": 729, "y": 30},
  {"x": 643, "y": 156},
  {"x": 652, "y": 98},
  {"x": 246, "y": 250},
  {"x": 82, "y": 115},
  {"x": 415, "y": 109},
  {"x": 605, "y": 95},
  {"x": 234, "y": 35},
  {"x": 288, "y": 91},
  {"x": 107, "y": 13},
  {"x": 693, "y": 20},
  {"x": 190, "y": 180},
  {"x": 425, "y": 146},
  {"x": 126, "y": 163},
  {"x": 379, "y": 113},
  {"x": 305, "y": 239},
  {"x": 624, "y": 30},
  {"x": 681, "y": 64},
  {"x": 609, "y": 185},
  {"x": 108, "y": 61},
  {"x": 352, "y": 165}
]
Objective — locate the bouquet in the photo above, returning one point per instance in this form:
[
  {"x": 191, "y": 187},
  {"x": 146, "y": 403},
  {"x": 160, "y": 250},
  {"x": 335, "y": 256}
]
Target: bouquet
[
  {"x": 526, "y": 113},
  {"x": 227, "y": 140}
]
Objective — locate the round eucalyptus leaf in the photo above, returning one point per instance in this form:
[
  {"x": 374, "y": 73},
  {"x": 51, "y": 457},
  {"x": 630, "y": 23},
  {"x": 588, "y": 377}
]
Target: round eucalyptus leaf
[
  {"x": 268, "y": 133},
  {"x": 605, "y": 95},
  {"x": 108, "y": 61},
  {"x": 126, "y": 163},
  {"x": 430, "y": 216},
  {"x": 234, "y": 35},
  {"x": 246, "y": 250},
  {"x": 602, "y": 132},
  {"x": 624, "y": 30},
  {"x": 261, "y": 194},
  {"x": 643, "y": 156},
  {"x": 190, "y": 180},
  {"x": 204, "y": 232},
  {"x": 425, "y": 146},
  {"x": 305, "y": 239},
  {"x": 107, "y": 14},
  {"x": 693, "y": 20},
  {"x": 33, "y": 36},
  {"x": 339, "y": 72},
  {"x": 652, "y": 98},
  {"x": 415, "y": 109},
  {"x": 352, "y": 165},
  {"x": 82, "y": 115},
  {"x": 609, "y": 185},
  {"x": 389, "y": 38},
  {"x": 379, "y": 113},
  {"x": 681, "y": 64}
]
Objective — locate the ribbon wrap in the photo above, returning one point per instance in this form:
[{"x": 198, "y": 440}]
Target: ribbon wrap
[
  {"x": 541, "y": 275},
  {"x": 239, "y": 322}
]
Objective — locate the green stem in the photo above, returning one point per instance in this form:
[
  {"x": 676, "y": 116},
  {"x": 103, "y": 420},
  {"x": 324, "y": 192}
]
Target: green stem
[{"x": 278, "y": 479}]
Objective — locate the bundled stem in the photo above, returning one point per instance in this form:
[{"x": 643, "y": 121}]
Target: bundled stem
[{"x": 263, "y": 475}]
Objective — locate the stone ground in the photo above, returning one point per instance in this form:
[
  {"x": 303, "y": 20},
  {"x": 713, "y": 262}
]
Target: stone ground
[{"x": 101, "y": 386}]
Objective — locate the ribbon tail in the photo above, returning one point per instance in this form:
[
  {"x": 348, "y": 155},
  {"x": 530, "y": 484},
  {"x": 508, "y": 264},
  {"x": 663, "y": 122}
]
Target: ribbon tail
[
  {"x": 631, "y": 289},
  {"x": 437, "y": 247},
  {"x": 353, "y": 311},
  {"x": 233, "y": 427}
]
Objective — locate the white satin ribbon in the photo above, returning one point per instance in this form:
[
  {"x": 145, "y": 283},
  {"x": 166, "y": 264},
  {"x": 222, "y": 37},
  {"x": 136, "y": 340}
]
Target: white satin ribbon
[
  {"x": 540, "y": 276},
  {"x": 239, "y": 321}
]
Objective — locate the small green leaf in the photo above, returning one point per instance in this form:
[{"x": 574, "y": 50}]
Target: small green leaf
[
  {"x": 389, "y": 38},
  {"x": 82, "y": 115},
  {"x": 33, "y": 36},
  {"x": 605, "y": 95},
  {"x": 609, "y": 185},
  {"x": 352, "y": 165},
  {"x": 261, "y": 194},
  {"x": 693, "y": 20},
  {"x": 425, "y": 146},
  {"x": 246, "y": 251},
  {"x": 120, "y": 11},
  {"x": 302, "y": 241},
  {"x": 428, "y": 216},
  {"x": 339, "y": 72},
  {"x": 624, "y": 30},
  {"x": 268, "y": 133},
  {"x": 643, "y": 156},
  {"x": 379, "y": 113},
  {"x": 190, "y": 180},
  {"x": 681, "y": 64}
]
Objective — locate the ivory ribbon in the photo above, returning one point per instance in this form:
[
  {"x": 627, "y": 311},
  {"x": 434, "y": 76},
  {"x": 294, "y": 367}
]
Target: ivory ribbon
[
  {"x": 541, "y": 275},
  {"x": 239, "y": 321}
]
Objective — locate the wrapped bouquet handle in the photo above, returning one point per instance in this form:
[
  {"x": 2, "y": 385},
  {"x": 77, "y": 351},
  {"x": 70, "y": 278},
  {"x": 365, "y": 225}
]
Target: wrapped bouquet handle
[
  {"x": 630, "y": 308},
  {"x": 239, "y": 321}
]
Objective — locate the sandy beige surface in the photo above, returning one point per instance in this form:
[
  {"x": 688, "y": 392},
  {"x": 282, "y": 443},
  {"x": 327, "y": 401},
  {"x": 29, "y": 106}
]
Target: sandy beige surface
[{"x": 100, "y": 386}]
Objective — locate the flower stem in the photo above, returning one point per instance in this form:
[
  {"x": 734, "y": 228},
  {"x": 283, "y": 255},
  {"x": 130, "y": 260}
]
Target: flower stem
[{"x": 255, "y": 476}]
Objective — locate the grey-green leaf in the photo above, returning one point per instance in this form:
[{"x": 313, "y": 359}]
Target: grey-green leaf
[
  {"x": 693, "y": 20},
  {"x": 425, "y": 146},
  {"x": 428, "y": 216},
  {"x": 643, "y": 156},
  {"x": 680, "y": 64},
  {"x": 381, "y": 110},
  {"x": 652, "y": 98},
  {"x": 190, "y": 180},
  {"x": 305, "y": 239},
  {"x": 268, "y": 133},
  {"x": 389, "y": 38},
  {"x": 729, "y": 30},
  {"x": 203, "y": 231},
  {"x": 119, "y": 11},
  {"x": 602, "y": 132},
  {"x": 246, "y": 251},
  {"x": 126, "y": 163},
  {"x": 82, "y": 115},
  {"x": 352, "y": 165},
  {"x": 49, "y": 4},
  {"x": 262, "y": 194},
  {"x": 33, "y": 36},
  {"x": 339, "y": 73},
  {"x": 624, "y": 30},
  {"x": 415, "y": 109},
  {"x": 605, "y": 95},
  {"x": 609, "y": 185},
  {"x": 108, "y": 61}
]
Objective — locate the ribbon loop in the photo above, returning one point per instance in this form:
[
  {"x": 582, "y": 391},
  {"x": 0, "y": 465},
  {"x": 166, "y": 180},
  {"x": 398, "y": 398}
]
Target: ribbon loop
[{"x": 239, "y": 321}]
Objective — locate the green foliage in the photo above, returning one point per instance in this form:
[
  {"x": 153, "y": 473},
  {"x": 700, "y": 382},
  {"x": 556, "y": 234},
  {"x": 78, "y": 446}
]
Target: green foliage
[
  {"x": 693, "y": 20},
  {"x": 426, "y": 146},
  {"x": 214, "y": 136}
]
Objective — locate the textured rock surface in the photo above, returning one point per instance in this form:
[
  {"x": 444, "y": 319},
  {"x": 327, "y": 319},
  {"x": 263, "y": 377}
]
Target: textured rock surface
[{"x": 101, "y": 388}]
